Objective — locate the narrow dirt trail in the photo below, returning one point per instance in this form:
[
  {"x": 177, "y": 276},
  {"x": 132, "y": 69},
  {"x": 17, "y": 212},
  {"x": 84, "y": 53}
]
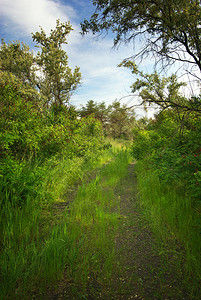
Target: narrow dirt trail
[
  {"x": 140, "y": 272},
  {"x": 137, "y": 262}
]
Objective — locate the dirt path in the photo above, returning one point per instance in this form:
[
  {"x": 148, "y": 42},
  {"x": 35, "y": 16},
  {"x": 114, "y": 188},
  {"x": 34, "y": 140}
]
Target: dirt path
[{"x": 141, "y": 272}]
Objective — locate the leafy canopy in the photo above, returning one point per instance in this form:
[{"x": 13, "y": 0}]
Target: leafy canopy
[
  {"x": 58, "y": 81},
  {"x": 171, "y": 29},
  {"x": 17, "y": 59},
  {"x": 117, "y": 120},
  {"x": 163, "y": 92}
]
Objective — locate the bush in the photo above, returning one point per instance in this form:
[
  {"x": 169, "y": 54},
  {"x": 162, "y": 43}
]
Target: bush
[
  {"x": 20, "y": 182},
  {"x": 146, "y": 142},
  {"x": 174, "y": 151}
]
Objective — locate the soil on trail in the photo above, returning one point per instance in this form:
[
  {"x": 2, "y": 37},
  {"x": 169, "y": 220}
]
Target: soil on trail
[{"x": 141, "y": 269}]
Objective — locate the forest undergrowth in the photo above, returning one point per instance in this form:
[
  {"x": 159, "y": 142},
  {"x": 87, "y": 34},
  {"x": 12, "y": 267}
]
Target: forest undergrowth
[
  {"x": 67, "y": 247},
  {"x": 175, "y": 222},
  {"x": 60, "y": 215},
  {"x": 39, "y": 242}
]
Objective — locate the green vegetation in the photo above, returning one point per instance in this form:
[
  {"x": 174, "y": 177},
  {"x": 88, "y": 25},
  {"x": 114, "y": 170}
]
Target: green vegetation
[
  {"x": 167, "y": 148},
  {"x": 169, "y": 30},
  {"x": 117, "y": 120},
  {"x": 59, "y": 165},
  {"x": 175, "y": 221},
  {"x": 44, "y": 148},
  {"x": 53, "y": 216},
  {"x": 41, "y": 241},
  {"x": 58, "y": 81},
  {"x": 168, "y": 173}
]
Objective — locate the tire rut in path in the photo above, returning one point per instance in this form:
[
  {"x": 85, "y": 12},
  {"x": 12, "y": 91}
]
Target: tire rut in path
[{"x": 140, "y": 272}]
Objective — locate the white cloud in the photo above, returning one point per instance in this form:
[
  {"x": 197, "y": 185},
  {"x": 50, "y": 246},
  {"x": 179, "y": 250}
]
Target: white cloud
[
  {"x": 102, "y": 80},
  {"x": 27, "y": 15}
]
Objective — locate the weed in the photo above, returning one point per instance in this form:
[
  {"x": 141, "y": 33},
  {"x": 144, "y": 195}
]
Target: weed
[
  {"x": 36, "y": 248},
  {"x": 173, "y": 219}
]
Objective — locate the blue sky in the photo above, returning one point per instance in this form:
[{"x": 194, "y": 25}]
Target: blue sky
[{"x": 102, "y": 80}]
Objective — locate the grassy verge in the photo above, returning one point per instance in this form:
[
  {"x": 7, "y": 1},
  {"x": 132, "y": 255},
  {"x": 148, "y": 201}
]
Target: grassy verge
[
  {"x": 36, "y": 247},
  {"x": 174, "y": 221},
  {"x": 91, "y": 223},
  {"x": 119, "y": 143}
]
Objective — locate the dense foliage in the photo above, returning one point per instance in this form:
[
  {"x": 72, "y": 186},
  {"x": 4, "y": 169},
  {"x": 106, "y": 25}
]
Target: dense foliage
[
  {"x": 36, "y": 125},
  {"x": 168, "y": 147},
  {"x": 175, "y": 152},
  {"x": 44, "y": 147},
  {"x": 168, "y": 150},
  {"x": 171, "y": 30},
  {"x": 117, "y": 120},
  {"x": 172, "y": 138},
  {"x": 168, "y": 29},
  {"x": 44, "y": 142}
]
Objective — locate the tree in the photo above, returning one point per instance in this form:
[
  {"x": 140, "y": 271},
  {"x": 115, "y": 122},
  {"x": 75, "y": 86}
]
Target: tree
[
  {"x": 121, "y": 120},
  {"x": 164, "y": 94},
  {"x": 170, "y": 28},
  {"x": 17, "y": 68},
  {"x": 16, "y": 58},
  {"x": 89, "y": 109},
  {"x": 117, "y": 121},
  {"x": 98, "y": 110},
  {"x": 58, "y": 80},
  {"x": 161, "y": 91}
]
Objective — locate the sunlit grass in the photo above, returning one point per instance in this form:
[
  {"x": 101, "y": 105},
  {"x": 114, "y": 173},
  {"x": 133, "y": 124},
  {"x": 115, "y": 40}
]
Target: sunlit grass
[
  {"x": 119, "y": 143},
  {"x": 95, "y": 214},
  {"x": 62, "y": 173},
  {"x": 37, "y": 246},
  {"x": 173, "y": 218}
]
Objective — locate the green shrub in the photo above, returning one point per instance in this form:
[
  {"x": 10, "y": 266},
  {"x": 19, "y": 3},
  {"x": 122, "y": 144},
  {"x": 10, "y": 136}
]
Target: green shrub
[
  {"x": 174, "y": 219},
  {"x": 20, "y": 182},
  {"x": 145, "y": 142}
]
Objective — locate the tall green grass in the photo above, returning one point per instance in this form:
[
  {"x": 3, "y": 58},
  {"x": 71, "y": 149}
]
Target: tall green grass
[
  {"x": 119, "y": 143},
  {"x": 36, "y": 247},
  {"x": 173, "y": 218},
  {"x": 62, "y": 173},
  {"x": 26, "y": 233},
  {"x": 29, "y": 263},
  {"x": 95, "y": 217}
]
